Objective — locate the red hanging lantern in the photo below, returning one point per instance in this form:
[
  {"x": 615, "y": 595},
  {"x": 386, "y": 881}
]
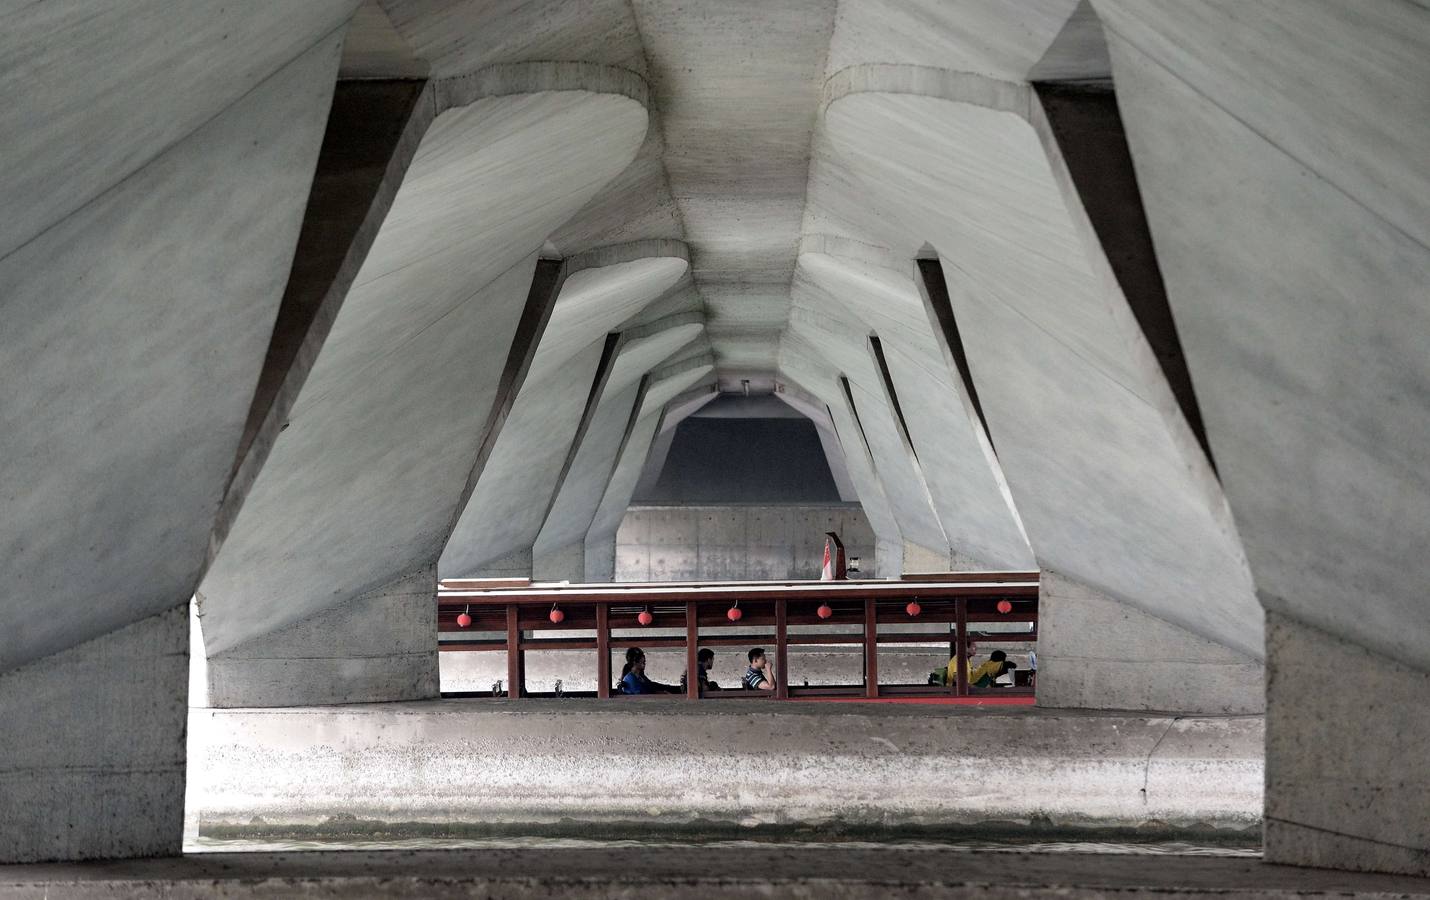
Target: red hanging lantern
[
  {"x": 824, "y": 611},
  {"x": 913, "y": 608},
  {"x": 556, "y": 615},
  {"x": 733, "y": 613},
  {"x": 1005, "y": 606},
  {"x": 645, "y": 618},
  {"x": 464, "y": 618}
]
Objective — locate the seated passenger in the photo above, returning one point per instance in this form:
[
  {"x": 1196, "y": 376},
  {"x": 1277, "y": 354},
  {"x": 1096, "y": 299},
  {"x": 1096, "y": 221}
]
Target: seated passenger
[
  {"x": 633, "y": 679},
  {"x": 759, "y": 676},
  {"x": 704, "y": 660},
  {"x": 991, "y": 671}
]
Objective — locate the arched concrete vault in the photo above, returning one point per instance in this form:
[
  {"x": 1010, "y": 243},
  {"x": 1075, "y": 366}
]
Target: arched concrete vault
[
  {"x": 963, "y": 477},
  {"x": 417, "y": 348},
  {"x": 1113, "y": 490},
  {"x": 603, "y": 289},
  {"x": 559, "y": 549},
  {"x": 663, "y": 385}
]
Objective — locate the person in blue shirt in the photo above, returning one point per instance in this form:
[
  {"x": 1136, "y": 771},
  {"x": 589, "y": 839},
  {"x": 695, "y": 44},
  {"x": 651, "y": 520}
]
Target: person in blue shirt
[{"x": 634, "y": 680}]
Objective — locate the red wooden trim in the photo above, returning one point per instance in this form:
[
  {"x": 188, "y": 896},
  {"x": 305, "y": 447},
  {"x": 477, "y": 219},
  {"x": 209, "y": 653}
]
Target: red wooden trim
[
  {"x": 692, "y": 649},
  {"x": 871, "y": 648},
  {"x": 514, "y": 675},
  {"x": 961, "y": 658},
  {"x": 782, "y": 649},
  {"x": 603, "y": 651}
]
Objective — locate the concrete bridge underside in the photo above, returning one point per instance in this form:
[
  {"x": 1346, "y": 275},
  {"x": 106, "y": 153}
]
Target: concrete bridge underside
[{"x": 306, "y": 307}]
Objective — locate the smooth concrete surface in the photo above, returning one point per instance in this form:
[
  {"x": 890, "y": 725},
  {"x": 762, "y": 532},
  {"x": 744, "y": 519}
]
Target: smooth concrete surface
[
  {"x": 1346, "y": 783},
  {"x": 1281, "y": 164},
  {"x": 841, "y": 872},
  {"x": 1097, "y": 653},
  {"x": 128, "y": 364},
  {"x": 539, "y": 764},
  {"x": 349, "y": 497},
  {"x": 378, "y": 646},
  {"x": 517, "y": 484},
  {"x": 1109, "y": 481},
  {"x": 1287, "y": 143},
  {"x": 734, "y": 543},
  {"x": 92, "y": 755}
]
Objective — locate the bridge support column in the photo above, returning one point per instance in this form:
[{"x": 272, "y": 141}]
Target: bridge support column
[
  {"x": 92, "y": 747},
  {"x": 1346, "y": 784},
  {"x": 378, "y": 647},
  {"x": 1098, "y": 653}
]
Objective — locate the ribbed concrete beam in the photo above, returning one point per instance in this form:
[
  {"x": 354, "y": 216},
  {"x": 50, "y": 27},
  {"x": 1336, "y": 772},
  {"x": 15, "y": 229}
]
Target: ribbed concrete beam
[
  {"x": 1108, "y": 478},
  {"x": 603, "y": 289},
  {"x": 558, "y": 551},
  {"x": 523, "y": 148},
  {"x": 965, "y": 484}
]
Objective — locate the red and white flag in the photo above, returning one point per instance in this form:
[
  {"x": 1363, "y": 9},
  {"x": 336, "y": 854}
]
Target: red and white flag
[{"x": 827, "y": 572}]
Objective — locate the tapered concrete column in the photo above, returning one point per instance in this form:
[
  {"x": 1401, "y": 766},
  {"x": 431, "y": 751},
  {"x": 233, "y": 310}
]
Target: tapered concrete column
[
  {"x": 379, "y": 646},
  {"x": 92, "y": 746},
  {"x": 1097, "y": 653},
  {"x": 1346, "y": 730}
]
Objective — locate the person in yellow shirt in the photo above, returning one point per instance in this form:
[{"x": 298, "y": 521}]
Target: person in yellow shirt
[
  {"x": 986, "y": 674},
  {"x": 983, "y": 676}
]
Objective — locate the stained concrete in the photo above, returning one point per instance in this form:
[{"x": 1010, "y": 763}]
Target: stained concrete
[
  {"x": 1097, "y": 653},
  {"x": 1345, "y": 785},
  {"x": 573, "y": 761},
  {"x": 378, "y": 646},
  {"x": 733, "y": 543},
  {"x": 797, "y": 872},
  {"x": 93, "y": 746}
]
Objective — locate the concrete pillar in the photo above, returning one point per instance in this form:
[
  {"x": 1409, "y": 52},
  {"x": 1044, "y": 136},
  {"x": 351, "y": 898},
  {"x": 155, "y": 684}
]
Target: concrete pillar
[
  {"x": 92, "y": 746},
  {"x": 1095, "y": 652},
  {"x": 566, "y": 563},
  {"x": 379, "y": 646},
  {"x": 513, "y": 565},
  {"x": 599, "y": 558},
  {"x": 1346, "y": 732}
]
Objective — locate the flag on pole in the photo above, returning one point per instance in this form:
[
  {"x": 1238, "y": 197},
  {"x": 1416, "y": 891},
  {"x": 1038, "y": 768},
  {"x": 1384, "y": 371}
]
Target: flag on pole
[{"x": 827, "y": 572}]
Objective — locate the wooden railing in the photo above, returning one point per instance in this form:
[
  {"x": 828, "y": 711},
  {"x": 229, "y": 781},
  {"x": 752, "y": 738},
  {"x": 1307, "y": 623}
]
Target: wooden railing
[{"x": 958, "y": 601}]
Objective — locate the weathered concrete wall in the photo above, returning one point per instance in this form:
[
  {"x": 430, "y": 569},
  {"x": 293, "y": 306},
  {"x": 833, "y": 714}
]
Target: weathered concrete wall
[
  {"x": 92, "y": 746},
  {"x": 380, "y": 646},
  {"x": 1097, "y": 653},
  {"x": 1346, "y": 730},
  {"x": 735, "y": 543},
  {"x": 664, "y": 764}
]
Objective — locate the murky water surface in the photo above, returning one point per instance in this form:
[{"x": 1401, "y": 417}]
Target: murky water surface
[{"x": 1174, "y": 848}]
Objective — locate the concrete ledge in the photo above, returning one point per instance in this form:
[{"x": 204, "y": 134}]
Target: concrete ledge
[
  {"x": 652, "y": 873},
  {"x": 92, "y": 746},
  {"x": 544, "y": 767}
]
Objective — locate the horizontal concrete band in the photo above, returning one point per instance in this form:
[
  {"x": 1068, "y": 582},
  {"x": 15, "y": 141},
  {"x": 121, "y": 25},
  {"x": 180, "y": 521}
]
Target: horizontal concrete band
[
  {"x": 661, "y": 764},
  {"x": 721, "y": 871}
]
